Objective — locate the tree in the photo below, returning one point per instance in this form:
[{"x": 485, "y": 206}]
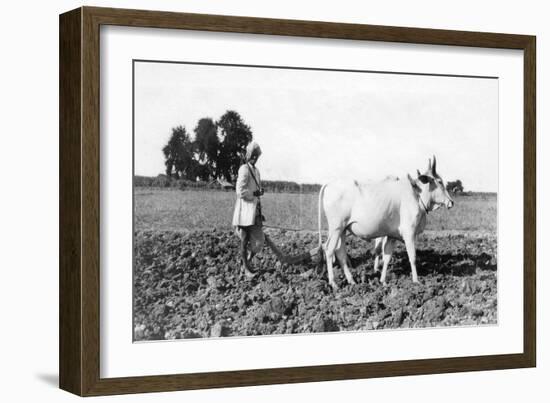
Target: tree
[
  {"x": 178, "y": 154},
  {"x": 455, "y": 186},
  {"x": 197, "y": 170},
  {"x": 207, "y": 147},
  {"x": 235, "y": 136}
]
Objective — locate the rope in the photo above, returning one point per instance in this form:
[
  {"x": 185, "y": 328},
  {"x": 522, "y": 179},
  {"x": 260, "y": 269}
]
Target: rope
[
  {"x": 283, "y": 228},
  {"x": 423, "y": 205}
]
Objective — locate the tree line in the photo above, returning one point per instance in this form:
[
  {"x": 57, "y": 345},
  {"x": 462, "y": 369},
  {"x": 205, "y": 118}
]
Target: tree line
[{"x": 216, "y": 150}]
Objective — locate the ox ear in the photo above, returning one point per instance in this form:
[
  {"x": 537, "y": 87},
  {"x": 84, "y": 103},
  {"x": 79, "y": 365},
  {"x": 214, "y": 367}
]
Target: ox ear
[{"x": 433, "y": 167}]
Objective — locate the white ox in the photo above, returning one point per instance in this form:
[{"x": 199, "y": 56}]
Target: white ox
[{"x": 388, "y": 210}]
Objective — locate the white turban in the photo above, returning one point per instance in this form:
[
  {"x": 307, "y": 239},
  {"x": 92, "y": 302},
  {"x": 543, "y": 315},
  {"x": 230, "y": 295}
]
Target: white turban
[{"x": 251, "y": 149}]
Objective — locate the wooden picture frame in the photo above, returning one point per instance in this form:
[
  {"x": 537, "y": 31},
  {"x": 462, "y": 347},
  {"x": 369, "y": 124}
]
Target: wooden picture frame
[{"x": 79, "y": 281}]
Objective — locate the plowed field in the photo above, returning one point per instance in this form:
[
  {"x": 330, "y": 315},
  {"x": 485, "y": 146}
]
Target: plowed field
[{"x": 187, "y": 282}]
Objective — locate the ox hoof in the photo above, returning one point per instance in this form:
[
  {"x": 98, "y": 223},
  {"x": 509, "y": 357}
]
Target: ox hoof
[
  {"x": 247, "y": 273},
  {"x": 334, "y": 287}
]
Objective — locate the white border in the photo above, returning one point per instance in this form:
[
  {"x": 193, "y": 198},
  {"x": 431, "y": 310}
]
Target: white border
[{"x": 120, "y": 357}]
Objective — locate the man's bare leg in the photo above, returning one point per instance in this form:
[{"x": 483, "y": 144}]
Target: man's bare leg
[{"x": 245, "y": 264}]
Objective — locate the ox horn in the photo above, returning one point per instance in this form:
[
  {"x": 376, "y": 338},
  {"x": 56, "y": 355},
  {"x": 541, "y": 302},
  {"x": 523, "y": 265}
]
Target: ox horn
[{"x": 433, "y": 167}]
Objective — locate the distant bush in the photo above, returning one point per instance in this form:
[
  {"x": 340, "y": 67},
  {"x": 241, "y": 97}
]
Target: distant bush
[
  {"x": 479, "y": 195},
  {"x": 455, "y": 186},
  {"x": 143, "y": 181},
  {"x": 163, "y": 181},
  {"x": 187, "y": 184},
  {"x": 289, "y": 187}
]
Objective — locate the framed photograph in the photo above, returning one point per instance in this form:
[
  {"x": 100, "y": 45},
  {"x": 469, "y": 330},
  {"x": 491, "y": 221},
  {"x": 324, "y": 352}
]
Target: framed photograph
[{"x": 249, "y": 201}]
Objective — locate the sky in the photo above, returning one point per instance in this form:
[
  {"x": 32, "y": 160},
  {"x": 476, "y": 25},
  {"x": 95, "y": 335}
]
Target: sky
[{"x": 321, "y": 126}]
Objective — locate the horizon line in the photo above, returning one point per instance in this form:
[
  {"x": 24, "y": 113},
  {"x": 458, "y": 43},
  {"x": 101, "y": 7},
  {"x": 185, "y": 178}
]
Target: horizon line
[{"x": 297, "y": 183}]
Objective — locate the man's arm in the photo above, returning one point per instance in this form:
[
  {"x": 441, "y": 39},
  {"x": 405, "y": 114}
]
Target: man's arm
[{"x": 242, "y": 184}]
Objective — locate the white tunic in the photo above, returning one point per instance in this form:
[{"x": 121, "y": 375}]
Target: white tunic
[{"x": 246, "y": 204}]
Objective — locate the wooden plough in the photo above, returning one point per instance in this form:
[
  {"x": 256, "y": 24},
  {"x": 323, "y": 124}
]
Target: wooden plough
[{"x": 314, "y": 255}]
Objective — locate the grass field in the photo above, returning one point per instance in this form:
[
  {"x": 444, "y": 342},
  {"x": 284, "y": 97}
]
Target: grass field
[
  {"x": 176, "y": 210},
  {"x": 187, "y": 280}
]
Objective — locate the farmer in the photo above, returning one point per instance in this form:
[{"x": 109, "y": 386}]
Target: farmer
[{"x": 247, "y": 217}]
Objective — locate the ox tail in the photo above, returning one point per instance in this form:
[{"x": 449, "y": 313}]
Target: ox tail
[{"x": 321, "y": 192}]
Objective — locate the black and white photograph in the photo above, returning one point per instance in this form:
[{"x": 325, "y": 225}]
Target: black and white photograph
[{"x": 274, "y": 200}]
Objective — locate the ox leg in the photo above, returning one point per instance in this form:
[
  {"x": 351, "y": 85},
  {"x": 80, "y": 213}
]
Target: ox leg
[
  {"x": 376, "y": 263},
  {"x": 330, "y": 248},
  {"x": 344, "y": 259},
  {"x": 378, "y": 246},
  {"x": 387, "y": 249},
  {"x": 411, "y": 251}
]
